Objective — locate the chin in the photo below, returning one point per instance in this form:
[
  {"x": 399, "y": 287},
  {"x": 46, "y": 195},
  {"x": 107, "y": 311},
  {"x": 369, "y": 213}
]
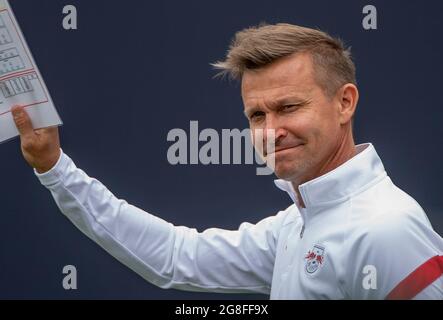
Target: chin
[
  {"x": 285, "y": 173},
  {"x": 291, "y": 170}
]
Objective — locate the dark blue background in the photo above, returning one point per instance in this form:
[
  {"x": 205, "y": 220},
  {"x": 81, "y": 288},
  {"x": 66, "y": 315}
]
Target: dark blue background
[{"x": 136, "y": 69}]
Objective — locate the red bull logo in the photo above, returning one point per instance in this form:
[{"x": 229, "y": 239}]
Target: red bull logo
[{"x": 314, "y": 259}]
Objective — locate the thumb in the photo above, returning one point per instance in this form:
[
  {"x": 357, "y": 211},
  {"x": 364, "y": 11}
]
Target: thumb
[{"x": 22, "y": 121}]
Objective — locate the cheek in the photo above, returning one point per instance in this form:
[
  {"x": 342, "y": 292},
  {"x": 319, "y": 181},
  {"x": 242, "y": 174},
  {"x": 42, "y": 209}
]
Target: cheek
[
  {"x": 321, "y": 124},
  {"x": 256, "y": 135},
  {"x": 304, "y": 125},
  {"x": 257, "y": 139}
]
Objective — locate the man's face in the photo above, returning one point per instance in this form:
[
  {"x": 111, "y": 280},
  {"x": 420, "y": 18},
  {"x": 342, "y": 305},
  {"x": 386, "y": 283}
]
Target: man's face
[{"x": 284, "y": 96}]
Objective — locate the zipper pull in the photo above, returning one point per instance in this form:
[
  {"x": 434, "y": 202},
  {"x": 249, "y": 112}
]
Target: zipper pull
[{"x": 302, "y": 231}]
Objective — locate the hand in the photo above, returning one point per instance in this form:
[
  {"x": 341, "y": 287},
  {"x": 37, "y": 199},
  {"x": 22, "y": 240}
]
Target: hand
[{"x": 41, "y": 148}]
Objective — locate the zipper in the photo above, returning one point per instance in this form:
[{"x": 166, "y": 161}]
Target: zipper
[{"x": 302, "y": 231}]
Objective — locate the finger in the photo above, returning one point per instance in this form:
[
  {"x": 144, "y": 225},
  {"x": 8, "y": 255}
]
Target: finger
[
  {"x": 49, "y": 134},
  {"x": 47, "y": 130},
  {"x": 22, "y": 121}
]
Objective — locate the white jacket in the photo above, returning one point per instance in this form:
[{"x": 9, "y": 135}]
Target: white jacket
[{"x": 358, "y": 237}]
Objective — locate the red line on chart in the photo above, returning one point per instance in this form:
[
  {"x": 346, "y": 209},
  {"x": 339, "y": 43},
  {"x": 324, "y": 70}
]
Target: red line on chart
[
  {"x": 25, "y": 106},
  {"x": 17, "y": 74}
]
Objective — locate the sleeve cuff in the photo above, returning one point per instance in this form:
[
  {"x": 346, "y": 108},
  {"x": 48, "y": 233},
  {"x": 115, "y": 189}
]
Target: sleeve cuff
[{"x": 56, "y": 172}]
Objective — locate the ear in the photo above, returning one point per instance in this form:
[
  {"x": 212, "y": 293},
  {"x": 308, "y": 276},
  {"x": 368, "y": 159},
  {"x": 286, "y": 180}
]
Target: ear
[{"x": 347, "y": 98}]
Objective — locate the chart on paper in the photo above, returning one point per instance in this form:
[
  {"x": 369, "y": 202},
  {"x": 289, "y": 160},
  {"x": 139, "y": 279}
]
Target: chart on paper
[{"x": 20, "y": 80}]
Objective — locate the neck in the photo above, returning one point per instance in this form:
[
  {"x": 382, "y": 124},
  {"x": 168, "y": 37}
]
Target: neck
[{"x": 344, "y": 151}]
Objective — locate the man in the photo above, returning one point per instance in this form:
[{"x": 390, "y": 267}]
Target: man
[{"x": 351, "y": 233}]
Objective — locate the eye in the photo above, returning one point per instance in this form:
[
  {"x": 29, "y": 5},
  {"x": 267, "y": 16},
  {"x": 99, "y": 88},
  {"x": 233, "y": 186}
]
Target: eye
[
  {"x": 256, "y": 115},
  {"x": 289, "y": 107}
]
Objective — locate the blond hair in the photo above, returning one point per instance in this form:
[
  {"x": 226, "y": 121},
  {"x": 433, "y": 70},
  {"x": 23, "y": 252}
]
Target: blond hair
[{"x": 256, "y": 47}]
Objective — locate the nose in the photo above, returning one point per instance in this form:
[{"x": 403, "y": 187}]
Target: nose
[{"x": 273, "y": 129}]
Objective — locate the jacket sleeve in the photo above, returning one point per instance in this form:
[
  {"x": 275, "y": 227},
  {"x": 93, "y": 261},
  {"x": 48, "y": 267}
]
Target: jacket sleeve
[
  {"x": 168, "y": 256},
  {"x": 397, "y": 257}
]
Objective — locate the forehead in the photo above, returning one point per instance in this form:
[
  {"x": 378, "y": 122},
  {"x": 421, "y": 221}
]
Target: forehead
[{"x": 288, "y": 75}]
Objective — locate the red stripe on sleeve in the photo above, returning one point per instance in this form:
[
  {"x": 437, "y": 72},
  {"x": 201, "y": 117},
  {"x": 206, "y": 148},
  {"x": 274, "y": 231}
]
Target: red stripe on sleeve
[{"x": 418, "y": 280}]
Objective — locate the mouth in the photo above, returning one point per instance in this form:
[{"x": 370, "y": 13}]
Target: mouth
[{"x": 285, "y": 149}]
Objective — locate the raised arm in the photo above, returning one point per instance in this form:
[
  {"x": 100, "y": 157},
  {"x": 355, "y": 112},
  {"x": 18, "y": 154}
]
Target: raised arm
[{"x": 168, "y": 256}]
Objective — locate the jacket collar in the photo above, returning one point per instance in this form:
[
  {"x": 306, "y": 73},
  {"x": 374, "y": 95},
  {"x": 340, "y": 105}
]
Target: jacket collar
[{"x": 338, "y": 185}]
